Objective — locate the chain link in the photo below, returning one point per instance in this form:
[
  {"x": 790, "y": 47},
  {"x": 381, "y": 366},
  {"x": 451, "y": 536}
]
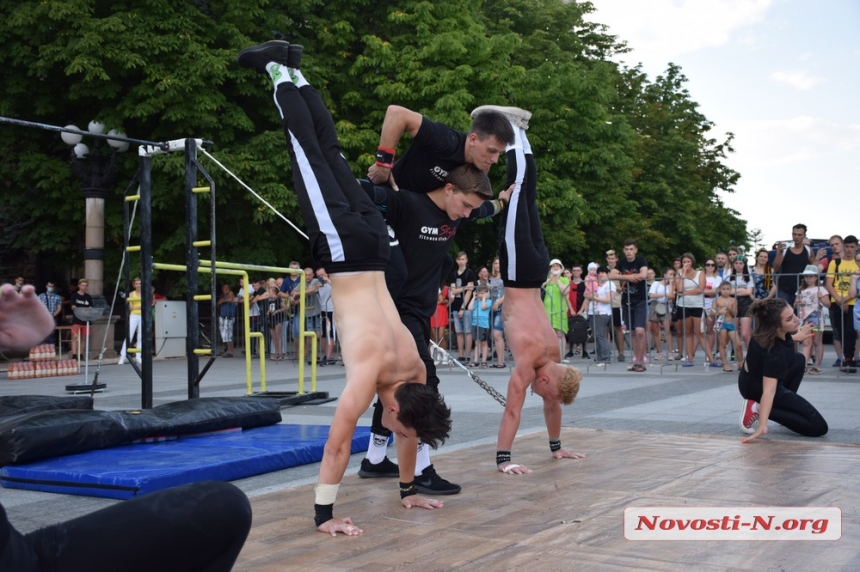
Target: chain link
[{"x": 487, "y": 387}]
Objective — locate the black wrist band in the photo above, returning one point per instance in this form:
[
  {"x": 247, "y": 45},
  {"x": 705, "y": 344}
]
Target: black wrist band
[
  {"x": 554, "y": 445},
  {"x": 385, "y": 157},
  {"x": 407, "y": 489},
  {"x": 323, "y": 513},
  {"x": 503, "y": 457}
]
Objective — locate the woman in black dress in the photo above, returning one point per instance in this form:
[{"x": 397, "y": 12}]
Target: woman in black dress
[{"x": 772, "y": 373}]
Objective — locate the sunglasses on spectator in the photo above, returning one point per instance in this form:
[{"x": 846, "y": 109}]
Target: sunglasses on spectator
[{"x": 709, "y": 264}]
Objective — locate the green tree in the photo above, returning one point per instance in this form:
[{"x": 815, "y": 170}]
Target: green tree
[{"x": 617, "y": 154}]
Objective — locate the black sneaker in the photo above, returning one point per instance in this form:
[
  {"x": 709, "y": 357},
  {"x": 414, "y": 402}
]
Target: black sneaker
[
  {"x": 384, "y": 470},
  {"x": 256, "y": 57},
  {"x": 848, "y": 366},
  {"x": 430, "y": 483},
  {"x": 294, "y": 59}
]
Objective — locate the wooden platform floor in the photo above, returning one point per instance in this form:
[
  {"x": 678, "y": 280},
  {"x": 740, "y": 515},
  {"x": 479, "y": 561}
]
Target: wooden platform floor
[{"x": 568, "y": 514}]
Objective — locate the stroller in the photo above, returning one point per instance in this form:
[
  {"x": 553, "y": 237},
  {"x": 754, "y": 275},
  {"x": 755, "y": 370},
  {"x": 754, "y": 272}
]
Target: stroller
[{"x": 578, "y": 333}]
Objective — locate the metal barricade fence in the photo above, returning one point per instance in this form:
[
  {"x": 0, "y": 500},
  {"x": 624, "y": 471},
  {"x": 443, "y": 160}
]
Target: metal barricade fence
[{"x": 743, "y": 323}]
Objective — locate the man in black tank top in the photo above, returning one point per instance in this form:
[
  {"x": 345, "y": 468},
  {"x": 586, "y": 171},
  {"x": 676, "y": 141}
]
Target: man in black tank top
[{"x": 790, "y": 262}]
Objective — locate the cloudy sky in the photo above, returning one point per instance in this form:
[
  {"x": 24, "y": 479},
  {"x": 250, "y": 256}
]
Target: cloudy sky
[{"x": 783, "y": 76}]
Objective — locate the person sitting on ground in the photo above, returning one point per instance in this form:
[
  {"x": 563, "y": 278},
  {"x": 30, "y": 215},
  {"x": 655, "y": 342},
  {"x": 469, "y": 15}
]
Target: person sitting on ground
[
  {"x": 349, "y": 238},
  {"x": 771, "y": 375},
  {"x": 524, "y": 262}
]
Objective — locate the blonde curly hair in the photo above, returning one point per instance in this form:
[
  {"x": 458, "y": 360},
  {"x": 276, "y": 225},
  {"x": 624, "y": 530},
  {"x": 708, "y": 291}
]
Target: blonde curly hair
[{"x": 568, "y": 387}]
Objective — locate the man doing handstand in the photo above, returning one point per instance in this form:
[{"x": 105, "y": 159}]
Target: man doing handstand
[
  {"x": 524, "y": 262},
  {"x": 349, "y": 238}
]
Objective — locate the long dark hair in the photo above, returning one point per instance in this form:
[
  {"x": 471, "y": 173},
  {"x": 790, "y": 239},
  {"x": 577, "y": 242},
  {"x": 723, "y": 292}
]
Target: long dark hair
[
  {"x": 424, "y": 409},
  {"x": 767, "y": 315}
]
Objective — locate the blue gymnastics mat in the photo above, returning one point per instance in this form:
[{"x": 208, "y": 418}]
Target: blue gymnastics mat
[{"x": 134, "y": 470}]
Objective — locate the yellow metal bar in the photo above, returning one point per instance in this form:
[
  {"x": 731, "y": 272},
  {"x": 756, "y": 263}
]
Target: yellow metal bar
[
  {"x": 132, "y": 198},
  {"x": 219, "y": 264},
  {"x": 133, "y": 249},
  {"x": 248, "y": 336},
  {"x": 302, "y": 337},
  {"x": 203, "y": 352},
  {"x": 202, "y": 243},
  {"x": 203, "y": 297},
  {"x": 314, "y": 350},
  {"x": 237, "y": 266},
  {"x": 247, "y": 319},
  {"x": 201, "y": 190},
  {"x": 133, "y": 350}
]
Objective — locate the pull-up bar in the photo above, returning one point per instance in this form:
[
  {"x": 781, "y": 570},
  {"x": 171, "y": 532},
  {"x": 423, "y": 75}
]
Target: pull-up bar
[{"x": 46, "y": 127}]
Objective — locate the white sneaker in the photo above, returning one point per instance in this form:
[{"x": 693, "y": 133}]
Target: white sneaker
[
  {"x": 121, "y": 361},
  {"x": 517, "y": 116}
]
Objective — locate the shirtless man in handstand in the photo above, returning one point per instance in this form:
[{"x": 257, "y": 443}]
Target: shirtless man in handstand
[
  {"x": 524, "y": 262},
  {"x": 349, "y": 238}
]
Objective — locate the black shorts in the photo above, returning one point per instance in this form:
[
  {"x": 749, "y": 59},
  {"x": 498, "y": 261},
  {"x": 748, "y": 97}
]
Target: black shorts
[
  {"x": 744, "y": 304},
  {"x": 616, "y": 317},
  {"x": 523, "y": 257},
  {"x": 690, "y": 313},
  {"x": 346, "y": 231}
]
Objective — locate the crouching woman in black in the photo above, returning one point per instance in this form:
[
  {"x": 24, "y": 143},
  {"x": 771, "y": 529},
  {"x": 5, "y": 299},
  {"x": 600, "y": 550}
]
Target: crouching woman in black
[{"x": 772, "y": 373}]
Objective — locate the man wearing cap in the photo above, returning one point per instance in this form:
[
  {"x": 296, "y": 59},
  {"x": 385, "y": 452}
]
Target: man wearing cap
[{"x": 632, "y": 271}]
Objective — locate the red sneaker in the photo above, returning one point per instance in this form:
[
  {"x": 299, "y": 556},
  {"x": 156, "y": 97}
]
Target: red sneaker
[{"x": 749, "y": 418}]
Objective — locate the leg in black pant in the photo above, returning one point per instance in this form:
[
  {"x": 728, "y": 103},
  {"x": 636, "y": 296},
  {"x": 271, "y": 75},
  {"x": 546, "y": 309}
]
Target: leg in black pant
[
  {"x": 789, "y": 409},
  {"x": 201, "y": 526}
]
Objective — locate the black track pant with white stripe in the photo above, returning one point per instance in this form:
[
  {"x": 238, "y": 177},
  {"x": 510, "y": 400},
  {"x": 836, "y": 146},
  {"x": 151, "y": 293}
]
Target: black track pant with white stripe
[
  {"x": 347, "y": 233},
  {"x": 523, "y": 257}
]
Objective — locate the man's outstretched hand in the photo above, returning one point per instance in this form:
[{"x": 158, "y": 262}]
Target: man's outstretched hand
[
  {"x": 514, "y": 469},
  {"x": 564, "y": 454},
  {"x": 343, "y": 525},
  {"x": 24, "y": 321},
  {"x": 421, "y": 502}
]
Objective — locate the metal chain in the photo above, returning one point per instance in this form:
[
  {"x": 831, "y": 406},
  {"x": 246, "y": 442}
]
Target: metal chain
[{"x": 487, "y": 387}]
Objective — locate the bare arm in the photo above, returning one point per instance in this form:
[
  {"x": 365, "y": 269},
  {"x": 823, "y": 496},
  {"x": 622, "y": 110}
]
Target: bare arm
[
  {"x": 764, "y": 408},
  {"x": 777, "y": 261},
  {"x": 398, "y": 120},
  {"x": 516, "y": 397},
  {"x": 469, "y": 288},
  {"x": 552, "y": 417}
]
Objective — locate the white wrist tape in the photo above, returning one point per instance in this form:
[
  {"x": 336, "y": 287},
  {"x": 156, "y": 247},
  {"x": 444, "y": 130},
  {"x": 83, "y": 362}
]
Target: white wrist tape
[{"x": 325, "y": 494}]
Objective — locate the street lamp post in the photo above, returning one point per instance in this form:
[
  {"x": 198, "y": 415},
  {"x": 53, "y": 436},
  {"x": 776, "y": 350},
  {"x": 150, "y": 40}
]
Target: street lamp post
[{"x": 97, "y": 172}]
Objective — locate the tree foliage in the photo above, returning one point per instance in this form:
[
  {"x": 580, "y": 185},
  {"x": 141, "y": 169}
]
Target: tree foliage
[{"x": 618, "y": 155}]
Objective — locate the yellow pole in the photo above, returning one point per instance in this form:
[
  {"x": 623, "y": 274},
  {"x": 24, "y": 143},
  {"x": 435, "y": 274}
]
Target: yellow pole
[
  {"x": 246, "y": 325},
  {"x": 301, "y": 340}
]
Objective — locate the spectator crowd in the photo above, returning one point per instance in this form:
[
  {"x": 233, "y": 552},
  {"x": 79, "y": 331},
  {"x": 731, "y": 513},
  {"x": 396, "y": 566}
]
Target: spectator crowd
[{"x": 617, "y": 309}]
